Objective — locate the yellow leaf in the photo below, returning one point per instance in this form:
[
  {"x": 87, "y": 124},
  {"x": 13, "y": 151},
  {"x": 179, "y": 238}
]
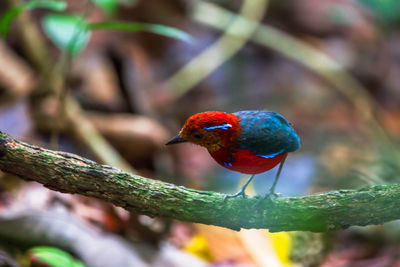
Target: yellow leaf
[
  {"x": 282, "y": 244},
  {"x": 198, "y": 246}
]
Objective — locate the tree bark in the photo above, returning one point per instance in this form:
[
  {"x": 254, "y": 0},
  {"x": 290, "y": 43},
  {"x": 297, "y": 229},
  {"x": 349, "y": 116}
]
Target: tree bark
[{"x": 70, "y": 173}]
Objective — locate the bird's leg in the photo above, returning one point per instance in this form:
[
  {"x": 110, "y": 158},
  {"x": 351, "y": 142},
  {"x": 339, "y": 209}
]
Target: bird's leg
[
  {"x": 272, "y": 189},
  {"x": 241, "y": 191}
]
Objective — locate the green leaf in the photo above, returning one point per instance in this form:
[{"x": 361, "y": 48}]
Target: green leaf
[
  {"x": 142, "y": 27},
  {"x": 12, "y": 13},
  {"x": 387, "y": 11},
  {"x": 54, "y": 257},
  {"x": 68, "y": 32},
  {"x": 109, "y": 6}
]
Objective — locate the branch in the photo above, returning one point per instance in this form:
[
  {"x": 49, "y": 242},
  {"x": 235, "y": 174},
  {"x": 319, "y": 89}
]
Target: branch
[{"x": 70, "y": 173}]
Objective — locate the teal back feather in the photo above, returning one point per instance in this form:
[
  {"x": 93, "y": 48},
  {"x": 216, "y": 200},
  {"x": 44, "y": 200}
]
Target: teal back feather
[{"x": 266, "y": 133}]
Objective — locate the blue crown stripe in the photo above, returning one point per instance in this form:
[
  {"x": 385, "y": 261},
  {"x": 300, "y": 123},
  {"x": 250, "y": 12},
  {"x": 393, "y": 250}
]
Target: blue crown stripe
[{"x": 222, "y": 127}]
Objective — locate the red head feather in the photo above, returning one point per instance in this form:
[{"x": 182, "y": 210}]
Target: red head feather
[{"x": 212, "y": 129}]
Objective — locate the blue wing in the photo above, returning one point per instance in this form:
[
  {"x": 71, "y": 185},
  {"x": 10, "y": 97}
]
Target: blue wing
[
  {"x": 272, "y": 154},
  {"x": 266, "y": 133}
]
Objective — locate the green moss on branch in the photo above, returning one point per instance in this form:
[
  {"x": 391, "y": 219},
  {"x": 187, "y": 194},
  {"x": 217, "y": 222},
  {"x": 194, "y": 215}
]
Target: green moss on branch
[{"x": 69, "y": 173}]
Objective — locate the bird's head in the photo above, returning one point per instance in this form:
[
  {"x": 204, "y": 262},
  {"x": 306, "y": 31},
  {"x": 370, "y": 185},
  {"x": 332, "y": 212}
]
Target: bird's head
[{"x": 212, "y": 130}]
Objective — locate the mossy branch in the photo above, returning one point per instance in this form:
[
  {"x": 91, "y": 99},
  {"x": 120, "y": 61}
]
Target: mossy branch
[{"x": 69, "y": 173}]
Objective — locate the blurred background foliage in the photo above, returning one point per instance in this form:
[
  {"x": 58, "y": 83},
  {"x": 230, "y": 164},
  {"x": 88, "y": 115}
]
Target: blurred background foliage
[{"x": 113, "y": 80}]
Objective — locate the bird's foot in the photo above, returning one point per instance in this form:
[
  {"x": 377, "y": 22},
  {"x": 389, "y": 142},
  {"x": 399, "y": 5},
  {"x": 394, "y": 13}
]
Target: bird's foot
[
  {"x": 272, "y": 195},
  {"x": 268, "y": 197},
  {"x": 240, "y": 193}
]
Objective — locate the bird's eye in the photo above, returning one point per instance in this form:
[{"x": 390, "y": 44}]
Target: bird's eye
[{"x": 198, "y": 135}]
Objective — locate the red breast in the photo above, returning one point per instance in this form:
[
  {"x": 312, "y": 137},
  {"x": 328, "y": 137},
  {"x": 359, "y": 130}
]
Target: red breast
[{"x": 245, "y": 161}]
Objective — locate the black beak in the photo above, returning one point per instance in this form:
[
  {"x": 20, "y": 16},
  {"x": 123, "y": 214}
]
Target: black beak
[{"x": 177, "y": 139}]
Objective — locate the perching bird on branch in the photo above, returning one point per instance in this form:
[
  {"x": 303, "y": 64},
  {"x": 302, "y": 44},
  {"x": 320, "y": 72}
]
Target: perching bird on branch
[{"x": 249, "y": 142}]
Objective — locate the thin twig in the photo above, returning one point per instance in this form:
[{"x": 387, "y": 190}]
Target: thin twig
[
  {"x": 63, "y": 68},
  {"x": 236, "y": 35}
]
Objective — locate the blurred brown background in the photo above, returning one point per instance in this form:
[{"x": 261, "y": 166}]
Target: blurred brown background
[{"x": 331, "y": 67}]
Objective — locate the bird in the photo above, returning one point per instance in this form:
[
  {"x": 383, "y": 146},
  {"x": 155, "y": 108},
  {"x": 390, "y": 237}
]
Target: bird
[{"x": 249, "y": 141}]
